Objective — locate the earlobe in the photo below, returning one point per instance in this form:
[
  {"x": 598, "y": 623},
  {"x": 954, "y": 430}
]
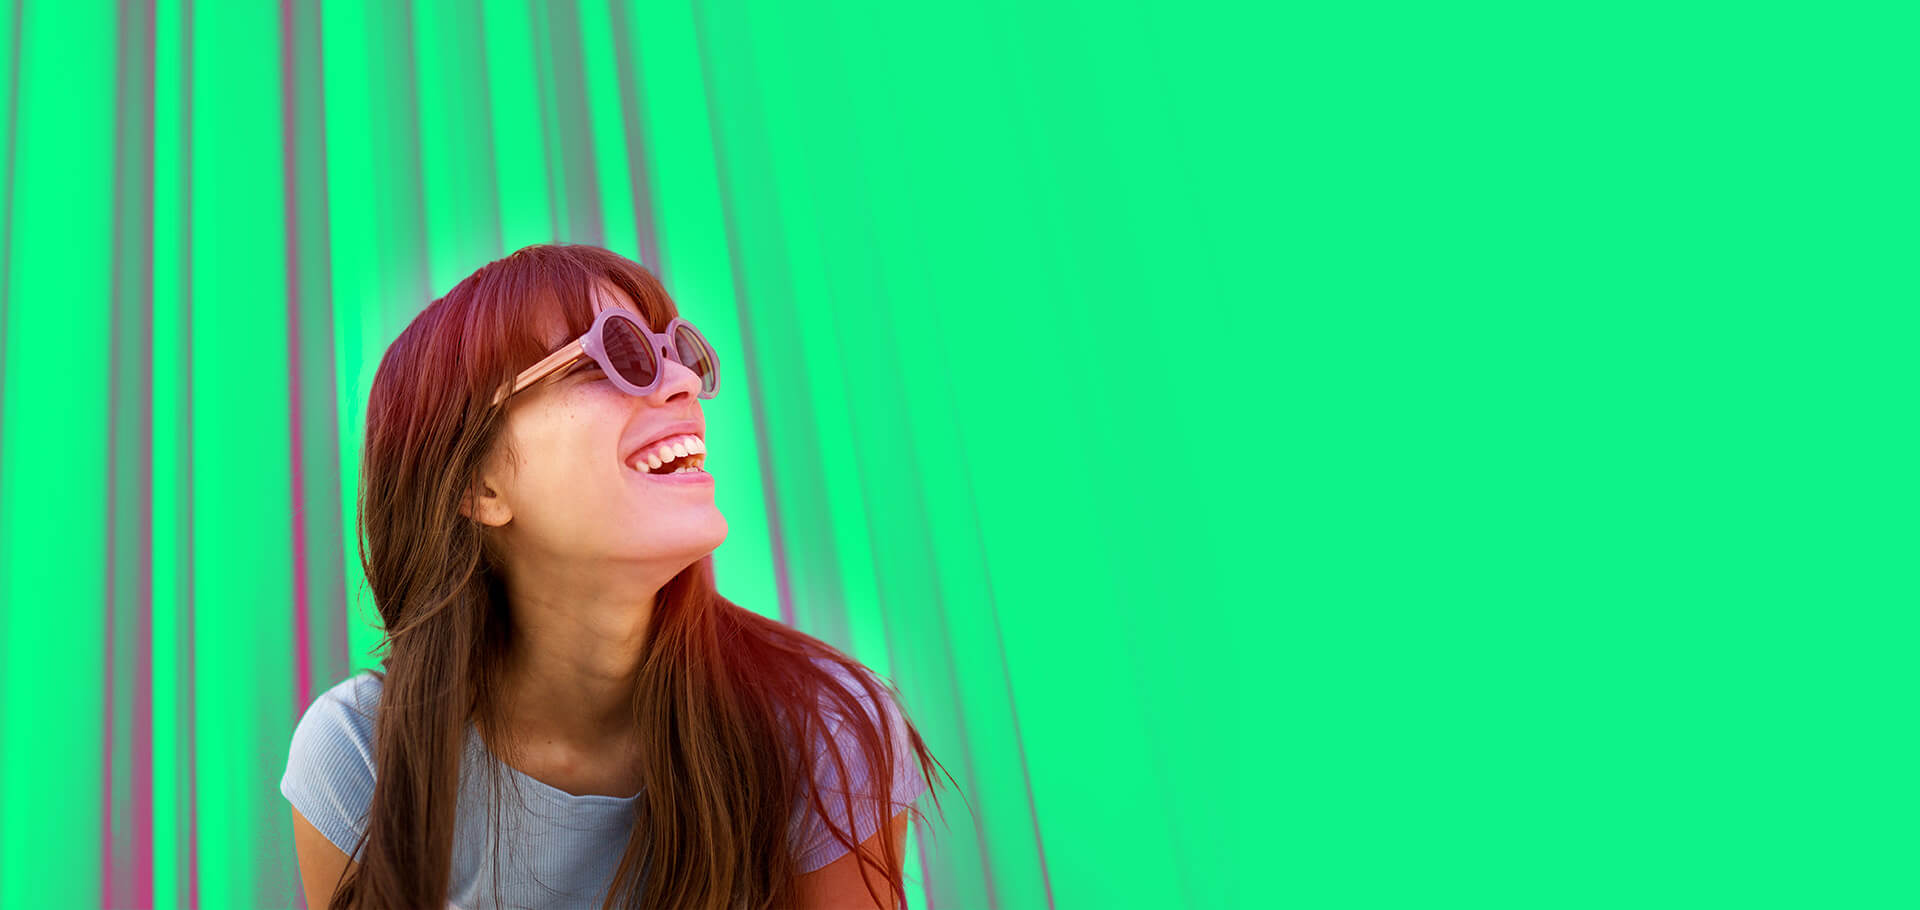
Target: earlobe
[{"x": 486, "y": 508}]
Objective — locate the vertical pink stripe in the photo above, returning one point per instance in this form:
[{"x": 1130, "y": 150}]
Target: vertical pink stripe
[
  {"x": 141, "y": 812},
  {"x": 290, "y": 222},
  {"x": 127, "y": 817},
  {"x": 109, "y": 894},
  {"x": 319, "y": 264},
  {"x": 140, "y": 749},
  {"x": 15, "y": 18}
]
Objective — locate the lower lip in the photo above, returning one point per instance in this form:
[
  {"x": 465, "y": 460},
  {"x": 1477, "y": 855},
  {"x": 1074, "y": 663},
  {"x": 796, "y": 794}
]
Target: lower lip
[{"x": 687, "y": 478}]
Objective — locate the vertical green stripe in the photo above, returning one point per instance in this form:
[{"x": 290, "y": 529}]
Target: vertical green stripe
[
  {"x": 520, "y": 153},
  {"x": 456, "y": 144},
  {"x": 7, "y": 553},
  {"x": 571, "y": 131},
  {"x": 359, "y": 269},
  {"x": 55, "y": 491},
  {"x": 169, "y": 213},
  {"x": 696, "y": 266},
  {"x": 605, "y": 126},
  {"x": 377, "y": 236},
  {"x": 319, "y": 405},
  {"x": 762, "y": 374},
  {"x": 785, "y": 350},
  {"x": 938, "y": 608},
  {"x": 539, "y": 25},
  {"x": 243, "y": 584},
  {"x": 640, "y": 159}
]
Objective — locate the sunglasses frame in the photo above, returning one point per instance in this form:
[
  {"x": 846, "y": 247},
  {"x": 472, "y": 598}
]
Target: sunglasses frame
[{"x": 590, "y": 345}]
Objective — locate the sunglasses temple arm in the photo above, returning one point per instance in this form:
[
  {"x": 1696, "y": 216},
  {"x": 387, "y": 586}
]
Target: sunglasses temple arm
[{"x": 571, "y": 351}]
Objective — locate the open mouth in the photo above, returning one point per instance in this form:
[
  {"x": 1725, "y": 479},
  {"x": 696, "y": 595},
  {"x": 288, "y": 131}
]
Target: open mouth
[
  {"x": 687, "y": 465},
  {"x": 682, "y": 455}
]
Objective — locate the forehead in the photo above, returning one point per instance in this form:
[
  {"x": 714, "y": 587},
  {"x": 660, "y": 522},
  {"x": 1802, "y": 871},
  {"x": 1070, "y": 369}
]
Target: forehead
[{"x": 603, "y": 295}]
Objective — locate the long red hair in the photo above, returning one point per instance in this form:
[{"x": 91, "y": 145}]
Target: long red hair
[{"x": 725, "y": 696}]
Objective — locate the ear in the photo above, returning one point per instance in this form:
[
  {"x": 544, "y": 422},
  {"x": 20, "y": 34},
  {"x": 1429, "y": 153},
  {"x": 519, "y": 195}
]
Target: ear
[{"x": 483, "y": 503}]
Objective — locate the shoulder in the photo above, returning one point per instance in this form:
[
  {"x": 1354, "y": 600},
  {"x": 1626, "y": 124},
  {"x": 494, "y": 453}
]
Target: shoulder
[
  {"x": 860, "y": 701},
  {"x": 349, "y": 707},
  {"x": 330, "y": 765},
  {"x": 843, "y": 766},
  {"x": 865, "y": 689},
  {"x": 861, "y": 685}
]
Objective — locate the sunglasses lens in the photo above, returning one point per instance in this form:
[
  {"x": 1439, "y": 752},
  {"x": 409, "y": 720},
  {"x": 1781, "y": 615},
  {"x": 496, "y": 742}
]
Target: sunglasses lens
[
  {"x": 691, "y": 349},
  {"x": 629, "y": 351}
]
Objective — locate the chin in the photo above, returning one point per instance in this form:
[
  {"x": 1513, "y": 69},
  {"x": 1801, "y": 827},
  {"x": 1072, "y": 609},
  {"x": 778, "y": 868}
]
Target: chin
[
  {"x": 706, "y": 536},
  {"x": 714, "y": 541}
]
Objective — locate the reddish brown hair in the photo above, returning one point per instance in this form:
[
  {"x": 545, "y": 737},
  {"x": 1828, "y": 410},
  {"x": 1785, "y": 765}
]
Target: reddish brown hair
[{"x": 725, "y": 696}]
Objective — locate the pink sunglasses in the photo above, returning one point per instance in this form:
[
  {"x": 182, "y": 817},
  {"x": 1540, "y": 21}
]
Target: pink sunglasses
[{"x": 630, "y": 354}]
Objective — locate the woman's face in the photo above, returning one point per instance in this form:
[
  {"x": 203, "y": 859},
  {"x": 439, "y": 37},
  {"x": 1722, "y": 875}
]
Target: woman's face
[{"x": 569, "y": 503}]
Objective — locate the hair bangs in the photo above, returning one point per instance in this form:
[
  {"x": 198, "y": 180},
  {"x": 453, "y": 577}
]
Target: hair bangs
[{"x": 528, "y": 304}]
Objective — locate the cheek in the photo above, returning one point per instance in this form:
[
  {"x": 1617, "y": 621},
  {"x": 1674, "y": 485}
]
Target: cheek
[
  {"x": 565, "y": 480},
  {"x": 573, "y": 507}
]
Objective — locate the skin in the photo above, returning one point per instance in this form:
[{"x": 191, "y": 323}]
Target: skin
[{"x": 587, "y": 545}]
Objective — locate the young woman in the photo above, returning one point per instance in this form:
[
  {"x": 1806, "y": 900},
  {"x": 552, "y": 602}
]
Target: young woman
[{"x": 570, "y": 715}]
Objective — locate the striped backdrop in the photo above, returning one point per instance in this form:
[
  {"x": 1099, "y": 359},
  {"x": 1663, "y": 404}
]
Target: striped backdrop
[
  {"x": 1287, "y": 455},
  {"x": 931, "y": 243}
]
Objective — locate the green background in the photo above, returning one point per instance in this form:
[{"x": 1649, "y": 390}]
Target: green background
[{"x": 1361, "y": 456}]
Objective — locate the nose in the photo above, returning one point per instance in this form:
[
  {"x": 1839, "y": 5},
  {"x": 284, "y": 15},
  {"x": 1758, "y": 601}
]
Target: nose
[{"x": 679, "y": 380}]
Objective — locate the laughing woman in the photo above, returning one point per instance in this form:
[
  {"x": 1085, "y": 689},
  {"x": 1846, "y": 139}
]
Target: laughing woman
[{"x": 570, "y": 715}]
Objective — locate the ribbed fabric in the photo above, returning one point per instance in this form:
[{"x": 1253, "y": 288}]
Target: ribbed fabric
[
  {"x": 817, "y": 846},
  {"x": 556, "y": 849}
]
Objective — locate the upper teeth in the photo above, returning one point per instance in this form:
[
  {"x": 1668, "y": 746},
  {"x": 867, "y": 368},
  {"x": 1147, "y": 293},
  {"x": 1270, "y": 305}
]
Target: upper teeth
[{"x": 667, "y": 450}]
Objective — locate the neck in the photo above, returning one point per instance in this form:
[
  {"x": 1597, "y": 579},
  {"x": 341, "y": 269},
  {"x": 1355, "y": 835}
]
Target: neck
[{"x": 570, "y": 674}]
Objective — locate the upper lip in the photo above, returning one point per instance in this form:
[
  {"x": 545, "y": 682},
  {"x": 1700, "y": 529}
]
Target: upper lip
[{"x": 689, "y": 428}]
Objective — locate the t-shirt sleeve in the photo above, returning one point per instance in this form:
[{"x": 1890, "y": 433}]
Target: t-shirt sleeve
[
  {"x": 329, "y": 775},
  {"x": 815, "y": 843}
]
